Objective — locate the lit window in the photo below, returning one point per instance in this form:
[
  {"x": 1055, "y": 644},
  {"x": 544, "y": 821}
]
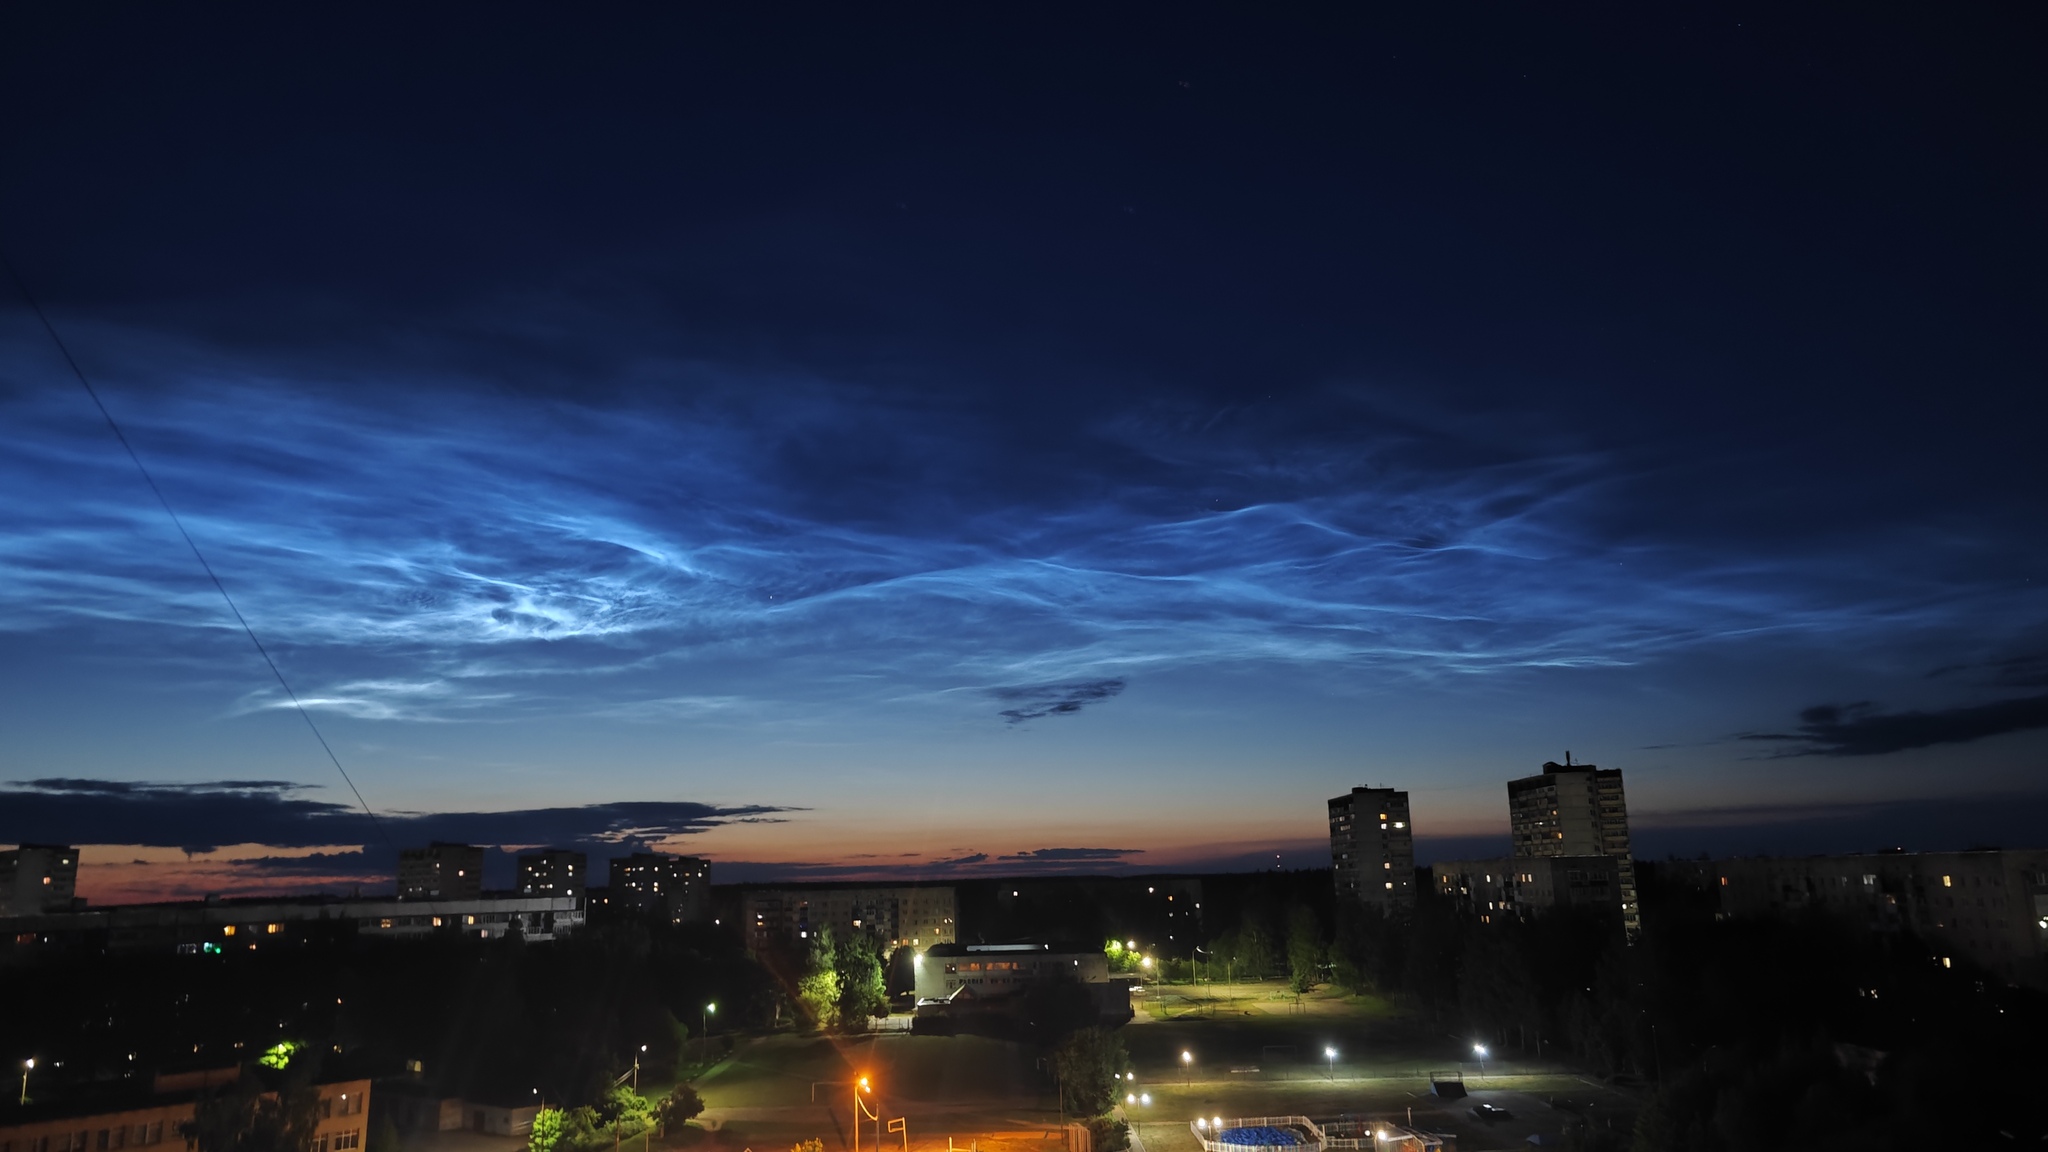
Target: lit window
[
  {"x": 1947, "y": 882},
  {"x": 274, "y": 929},
  {"x": 228, "y": 931}
]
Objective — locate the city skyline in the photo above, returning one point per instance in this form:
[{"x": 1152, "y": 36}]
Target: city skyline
[{"x": 956, "y": 451}]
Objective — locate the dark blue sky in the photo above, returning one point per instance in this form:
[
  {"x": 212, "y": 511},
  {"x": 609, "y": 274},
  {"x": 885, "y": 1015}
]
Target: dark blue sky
[{"x": 922, "y": 437}]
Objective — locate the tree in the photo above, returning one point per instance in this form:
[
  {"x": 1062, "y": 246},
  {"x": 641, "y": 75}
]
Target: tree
[
  {"x": 245, "y": 1118},
  {"x": 862, "y": 993},
  {"x": 1090, "y": 1063},
  {"x": 817, "y": 990},
  {"x": 679, "y": 1107},
  {"x": 383, "y": 1136},
  {"x": 549, "y": 1125},
  {"x": 1304, "y": 948}
]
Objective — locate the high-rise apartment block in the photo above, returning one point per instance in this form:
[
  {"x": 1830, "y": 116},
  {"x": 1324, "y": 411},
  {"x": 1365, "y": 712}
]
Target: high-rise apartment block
[
  {"x": 1372, "y": 848},
  {"x": 1576, "y": 810},
  {"x": 678, "y": 887},
  {"x": 38, "y": 878},
  {"x": 441, "y": 872},
  {"x": 554, "y": 872}
]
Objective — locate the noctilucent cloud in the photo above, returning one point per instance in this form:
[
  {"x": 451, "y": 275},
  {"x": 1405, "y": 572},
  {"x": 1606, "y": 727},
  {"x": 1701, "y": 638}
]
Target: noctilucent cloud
[{"x": 986, "y": 447}]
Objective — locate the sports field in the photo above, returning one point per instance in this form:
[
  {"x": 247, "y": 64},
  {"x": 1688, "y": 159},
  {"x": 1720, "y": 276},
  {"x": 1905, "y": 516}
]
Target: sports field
[{"x": 1247, "y": 1054}]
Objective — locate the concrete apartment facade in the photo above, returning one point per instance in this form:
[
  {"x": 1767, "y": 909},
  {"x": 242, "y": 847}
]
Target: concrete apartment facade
[
  {"x": 1372, "y": 849},
  {"x": 678, "y": 887},
  {"x": 1989, "y": 908},
  {"x": 155, "y": 1121},
  {"x": 894, "y": 915},
  {"x": 249, "y": 925},
  {"x": 1576, "y": 810},
  {"x": 441, "y": 872},
  {"x": 555, "y": 872},
  {"x": 1510, "y": 888},
  {"x": 37, "y": 878}
]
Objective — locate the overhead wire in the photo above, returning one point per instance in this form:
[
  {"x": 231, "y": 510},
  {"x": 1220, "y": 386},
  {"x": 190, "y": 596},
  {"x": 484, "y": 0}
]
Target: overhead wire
[{"x": 63, "y": 349}]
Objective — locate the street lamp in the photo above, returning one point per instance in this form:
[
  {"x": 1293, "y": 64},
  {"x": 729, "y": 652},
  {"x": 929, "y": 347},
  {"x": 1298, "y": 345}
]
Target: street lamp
[
  {"x": 1332, "y": 1054},
  {"x": 1187, "y": 1065},
  {"x": 636, "y": 1067},
  {"x": 1479, "y": 1050},
  {"x": 704, "y": 1024},
  {"x": 25, "y": 1066},
  {"x": 860, "y": 1086}
]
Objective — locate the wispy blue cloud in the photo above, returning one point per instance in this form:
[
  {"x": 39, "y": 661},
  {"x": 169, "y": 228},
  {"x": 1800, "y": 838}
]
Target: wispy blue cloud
[{"x": 439, "y": 553}]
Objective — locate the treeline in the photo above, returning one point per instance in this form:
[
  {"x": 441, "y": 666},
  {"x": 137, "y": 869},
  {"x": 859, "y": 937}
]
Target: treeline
[{"x": 491, "y": 1020}]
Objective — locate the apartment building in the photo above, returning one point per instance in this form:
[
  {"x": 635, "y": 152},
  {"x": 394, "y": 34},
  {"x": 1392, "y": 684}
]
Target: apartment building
[
  {"x": 37, "y": 878},
  {"x": 1576, "y": 810},
  {"x": 678, "y": 887},
  {"x": 916, "y": 915},
  {"x": 1372, "y": 848},
  {"x": 441, "y": 872},
  {"x": 1527, "y": 887},
  {"x": 1989, "y": 908},
  {"x": 219, "y": 926},
  {"x": 554, "y": 872},
  {"x": 157, "y": 1119}
]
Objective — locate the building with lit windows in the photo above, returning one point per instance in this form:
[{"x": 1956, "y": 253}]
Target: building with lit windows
[
  {"x": 156, "y": 1119},
  {"x": 1987, "y": 908},
  {"x": 1372, "y": 849},
  {"x": 554, "y": 872},
  {"x": 974, "y": 977},
  {"x": 1576, "y": 810},
  {"x": 678, "y": 887},
  {"x": 38, "y": 878},
  {"x": 1524, "y": 888},
  {"x": 207, "y": 927},
  {"x": 893, "y": 915},
  {"x": 441, "y": 872}
]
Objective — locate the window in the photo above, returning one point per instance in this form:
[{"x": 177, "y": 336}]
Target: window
[
  {"x": 345, "y": 1140},
  {"x": 228, "y": 931},
  {"x": 1948, "y": 882}
]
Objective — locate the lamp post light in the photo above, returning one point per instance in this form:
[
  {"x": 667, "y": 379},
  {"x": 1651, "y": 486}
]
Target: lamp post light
[
  {"x": 860, "y": 1086},
  {"x": 1332, "y": 1054},
  {"x": 1479, "y": 1050},
  {"x": 1187, "y": 1066},
  {"x": 636, "y": 1067},
  {"x": 704, "y": 1024},
  {"x": 26, "y": 1066}
]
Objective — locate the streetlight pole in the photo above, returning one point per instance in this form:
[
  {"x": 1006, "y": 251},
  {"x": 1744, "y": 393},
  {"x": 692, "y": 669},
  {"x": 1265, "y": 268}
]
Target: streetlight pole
[
  {"x": 704, "y": 1025},
  {"x": 1332, "y": 1054},
  {"x": 636, "y": 1068},
  {"x": 1187, "y": 1065},
  {"x": 1479, "y": 1050},
  {"x": 26, "y": 1065},
  {"x": 859, "y": 1086}
]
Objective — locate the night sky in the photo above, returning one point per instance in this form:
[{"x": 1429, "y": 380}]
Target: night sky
[{"x": 919, "y": 443}]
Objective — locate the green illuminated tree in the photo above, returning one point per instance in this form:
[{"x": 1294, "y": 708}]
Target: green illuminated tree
[
  {"x": 862, "y": 992},
  {"x": 548, "y": 1127}
]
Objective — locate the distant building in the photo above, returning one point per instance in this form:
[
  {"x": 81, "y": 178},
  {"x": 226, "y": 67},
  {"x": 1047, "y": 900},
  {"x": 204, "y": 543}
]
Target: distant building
[
  {"x": 215, "y": 926},
  {"x": 678, "y": 887},
  {"x": 1372, "y": 848},
  {"x": 555, "y": 872},
  {"x": 1528, "y": 887},
  {"x": 38, "y": 878},
  {"x": 156, "y": 1120},
  {"x": 441, "y": 872},
  {"x": 894, "y": 915},
  {"x": 1576, "y": 810},
  {"x": 1989, "y": 907},
  {"x": 982, "y": 976}
]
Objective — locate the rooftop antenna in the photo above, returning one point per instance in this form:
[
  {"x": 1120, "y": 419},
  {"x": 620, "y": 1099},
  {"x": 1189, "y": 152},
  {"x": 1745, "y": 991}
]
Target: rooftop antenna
[{"x": 1567, "y": 757}]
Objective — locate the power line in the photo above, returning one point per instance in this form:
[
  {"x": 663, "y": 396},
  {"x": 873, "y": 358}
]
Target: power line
[{"x": 112, "y": 424}]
